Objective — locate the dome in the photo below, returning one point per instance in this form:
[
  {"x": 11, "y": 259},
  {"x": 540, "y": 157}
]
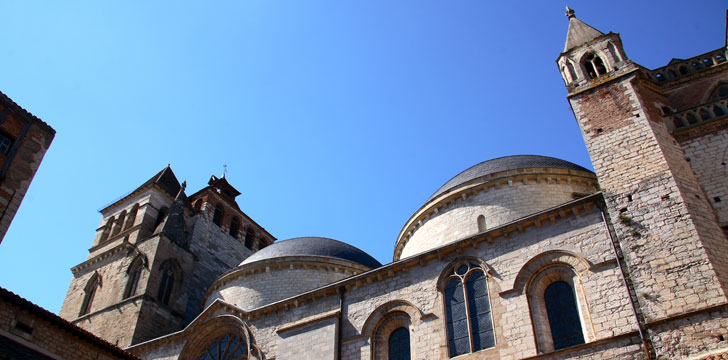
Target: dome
[
  {"x": 490, "y": 194},
  {"x": 313, "y": 246},
  {"x": 505, "y": 163}
]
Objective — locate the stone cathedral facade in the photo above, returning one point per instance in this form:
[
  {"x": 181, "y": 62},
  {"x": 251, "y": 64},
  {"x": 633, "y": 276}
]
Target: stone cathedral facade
[{"x": 519, "y": 257}]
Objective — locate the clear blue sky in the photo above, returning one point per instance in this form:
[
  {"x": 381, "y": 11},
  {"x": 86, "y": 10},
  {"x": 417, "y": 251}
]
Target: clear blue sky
[{"x": 335, "y": 118}]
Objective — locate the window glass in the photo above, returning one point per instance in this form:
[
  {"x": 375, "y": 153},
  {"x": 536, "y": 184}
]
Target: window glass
[
  {"x": 563, "y": 315},
  {"x": 399, "y": 344}
]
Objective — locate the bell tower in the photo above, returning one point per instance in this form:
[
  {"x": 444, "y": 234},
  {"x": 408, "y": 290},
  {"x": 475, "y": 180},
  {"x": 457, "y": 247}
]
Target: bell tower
[
  {"x": 154, "y": 254},
  {"x": 673, "y": 247}
]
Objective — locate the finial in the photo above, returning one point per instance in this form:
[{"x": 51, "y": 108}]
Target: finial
[
  {"x": 224, "y": 170},
  {"x": 184, "y": 185},
  {"x": 569, "y": 12}
]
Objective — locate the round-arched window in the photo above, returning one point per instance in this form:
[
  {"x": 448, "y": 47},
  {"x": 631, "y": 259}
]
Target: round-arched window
[{"x": 228, "y": 347}]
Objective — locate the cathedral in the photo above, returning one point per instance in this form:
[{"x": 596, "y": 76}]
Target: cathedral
[{"x": 518, "y": 257}]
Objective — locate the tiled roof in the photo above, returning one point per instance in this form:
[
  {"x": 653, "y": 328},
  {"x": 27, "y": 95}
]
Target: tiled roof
[
  {"x": 504, "y": 164},
  {"x": 314, "y": 246},
  {"x": 55, "y": 320}
]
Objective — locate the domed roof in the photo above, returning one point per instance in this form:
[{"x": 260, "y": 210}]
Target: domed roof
[
  {"x": 314, "y": 246},
  {"x": 504, "y": 164}
]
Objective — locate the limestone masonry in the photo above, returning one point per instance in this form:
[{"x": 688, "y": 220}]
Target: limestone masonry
[{"x": 519, "y": 257}]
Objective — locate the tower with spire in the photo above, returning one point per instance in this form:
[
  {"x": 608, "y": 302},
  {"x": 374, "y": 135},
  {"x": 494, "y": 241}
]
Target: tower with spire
[
  {"x": 154, "y": 254},
  {"x": 657, "y": 142}
]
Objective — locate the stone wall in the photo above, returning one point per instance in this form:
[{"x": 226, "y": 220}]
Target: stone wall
[
  {"x": 29, "y": 139},
  {"x": 708, "y": 156},
  {"x": 28, "y": 332}
]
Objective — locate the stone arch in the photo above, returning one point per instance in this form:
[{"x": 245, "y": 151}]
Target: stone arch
[
  {"x": 465, "y": 285},
  {"x": 578, "y": 263},
  {"x": 381, "y": 312},
  {"x": 225, "y": 325},
  {"x": 716, "y": 92},
  {"x": 131, "y": 217},
  {"x": 445, "y": 270},
  {"x": 134, "y": 273},
  {"x": 89, "y": 292},
  {"x": 170, "y": 275},
  {"x": 593, "y": 64},
  {"x": 541, "y": 318}
]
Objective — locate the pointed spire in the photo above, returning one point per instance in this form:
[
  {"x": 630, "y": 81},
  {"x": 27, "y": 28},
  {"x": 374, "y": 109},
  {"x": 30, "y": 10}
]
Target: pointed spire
[{"x": 579, "y": 32}]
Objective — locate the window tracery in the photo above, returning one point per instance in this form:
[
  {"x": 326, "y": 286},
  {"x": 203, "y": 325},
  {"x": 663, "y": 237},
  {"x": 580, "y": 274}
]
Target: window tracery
[
  {"x": 467, "y": 309},
  {"x": 89, "y": 294},
  {"x": 169, "y": 274}
]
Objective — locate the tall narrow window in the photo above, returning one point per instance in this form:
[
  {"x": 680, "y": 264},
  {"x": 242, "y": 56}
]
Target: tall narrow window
[
  {"x": 131, "y": 218},
  {"x": 107, "y": 229},
  {"x": 467, "y": 308},
  {"x": 161, "y": 215},
  {"x": 119, "y": 223},
  {"x": 217, "y": 215},
  {"x": 234, "y": 227},
  {"x": 398, "y": 344},
  {"x": 89, "y": 293},
  {"x": 481, "y": 223},
  {"x": 135, "y": 273},
  {"x": 249, "y": 238},
  {"x": 168, "y": 273},
  {"x": 563, "y": 315}
]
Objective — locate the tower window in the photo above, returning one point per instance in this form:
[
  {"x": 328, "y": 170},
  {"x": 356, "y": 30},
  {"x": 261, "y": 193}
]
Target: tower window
[
  {"x": 249, "y": 238},
  {"x": 234, "y": 227},
  {"x": 593, "y": 66},
  {"x": 169, "y": 273},
  {"x": 5, "y": 143},
  {"x": 89, "y": 294},
  {"x": 467, "y": 310},
  {"x": 217, "y": 215},
  {"x": 135, "y": 273}
]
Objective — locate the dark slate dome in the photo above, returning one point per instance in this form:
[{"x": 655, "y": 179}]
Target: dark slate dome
[
  {"x": 314, "y": 246},
  {"x": 505, "y": 163}
]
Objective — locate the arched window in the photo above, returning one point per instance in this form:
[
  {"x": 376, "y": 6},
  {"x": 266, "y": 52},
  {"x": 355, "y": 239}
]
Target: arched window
[
  {"x": 234, "y": 227},
  {"x": 134, "y": 274},
  {"x": 88, "y": 294},
  {"x": 119, "y": 223},
  {"x": 226, "y": 347},
  {"x": 398, "y": 344},
  {"x": 217, "y": 215},
  {"x": 107, "y": 229},
  {"x": 563, "y": 315},
  {"x": 593, "y": 66},
  {"x": 161, "y": 215},
  {"x": 131, "y": 218},
  {"x": 554, "y": 305},
  {"x": 249, "y": 238},
  {"x": 169, "y": 274},
  {"x": 719, "y": 92},
  {"x": 467, "y": 309},
  {"x": 481, "y": 223},
  {"x": 198, "y": 205}
]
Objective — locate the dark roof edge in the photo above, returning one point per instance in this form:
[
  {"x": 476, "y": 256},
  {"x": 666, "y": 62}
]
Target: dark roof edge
[
  {"x": 59, "y": 322},
  {"x": 7, "y": 101}
]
